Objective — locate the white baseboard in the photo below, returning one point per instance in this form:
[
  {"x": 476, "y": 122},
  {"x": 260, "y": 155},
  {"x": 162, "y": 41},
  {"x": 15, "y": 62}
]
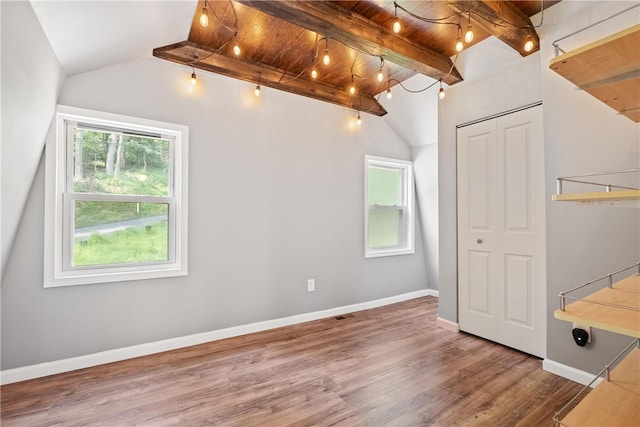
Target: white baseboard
[
  {"x": 65, "y": 365},
  {"x": 448, "y": 325},
  {"x": 570, "y": 373}
]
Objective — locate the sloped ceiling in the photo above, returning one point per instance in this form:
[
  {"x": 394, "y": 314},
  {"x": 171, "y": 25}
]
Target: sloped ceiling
[{"x": 87, "y": 35}]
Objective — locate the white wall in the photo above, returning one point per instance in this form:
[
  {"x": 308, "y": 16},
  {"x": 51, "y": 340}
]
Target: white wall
[
  {"x": 413, "y": 116},
  {"x": 276, "y": 198},
  {"x": 31, "y": 80},
  {"x": 1, "y": 251},
  {"x": 425, "y": 162}
]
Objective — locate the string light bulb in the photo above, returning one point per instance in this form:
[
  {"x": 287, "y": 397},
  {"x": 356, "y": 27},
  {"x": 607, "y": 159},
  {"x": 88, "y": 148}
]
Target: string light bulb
[
  {"x": 358, "y": 119},
  {"x": 468, "y": 36},
  {"x": 256, "y": 92},
  {"x": 352, "y": 88},
  {"x": 397, "y": 27},
  {"x": 389, "y": 94},
  {"x": 236, "y": 47},
  {"x": 441, "y": 93},
  {"x": 326, "y": 59},
  {"x": 204, "y": 16},
  {"x": 314, "y": 72},
  {"x": 194, "y": 78},
  {"x": 380, "y": 75},
  {"x": 528, "y": 44},
  {"x": 459, "y": 45}
]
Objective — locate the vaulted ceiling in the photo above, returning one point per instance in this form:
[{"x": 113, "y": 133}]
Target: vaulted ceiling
[{"x": 281, "y": 42}]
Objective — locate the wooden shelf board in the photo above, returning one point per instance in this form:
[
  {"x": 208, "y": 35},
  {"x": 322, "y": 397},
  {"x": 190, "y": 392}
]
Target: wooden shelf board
[
  {"x": 627, "y": 322},
  {"x": 612, "y": 403},
  {"x": 598, "y": 196},
  {"x": 603, "y": 63}
]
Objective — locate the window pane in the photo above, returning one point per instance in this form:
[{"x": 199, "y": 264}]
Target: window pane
[
  {"x": 385, "y": 186},
  {"x": 385, "y": 228},
  {"x": 119, "y": 233},
  {"x": 115, "y": 163}
]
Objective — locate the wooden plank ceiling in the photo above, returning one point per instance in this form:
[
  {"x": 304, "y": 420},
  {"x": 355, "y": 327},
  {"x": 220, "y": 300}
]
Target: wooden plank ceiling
[{"x": 282, "y": 41}]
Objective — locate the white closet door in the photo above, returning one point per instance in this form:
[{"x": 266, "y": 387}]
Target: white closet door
[{"x": 501, "y": 231}]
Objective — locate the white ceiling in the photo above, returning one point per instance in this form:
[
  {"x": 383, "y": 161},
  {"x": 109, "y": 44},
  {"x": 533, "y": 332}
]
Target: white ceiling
[{"x": 87, "y": 35}]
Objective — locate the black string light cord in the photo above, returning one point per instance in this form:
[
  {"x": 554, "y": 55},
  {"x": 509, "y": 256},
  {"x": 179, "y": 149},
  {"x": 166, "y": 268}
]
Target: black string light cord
[
  {"x": 502, "y": 22},
  {"x": 440, "y": 21}
]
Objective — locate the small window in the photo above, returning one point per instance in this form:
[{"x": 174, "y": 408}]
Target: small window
[
  {"x": 388, "y": 207},
  {"x": 116, "y": 199}
]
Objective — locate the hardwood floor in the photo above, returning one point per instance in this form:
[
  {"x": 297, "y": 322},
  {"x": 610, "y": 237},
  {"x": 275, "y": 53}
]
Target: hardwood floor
[{"x": 389, "y": 366}]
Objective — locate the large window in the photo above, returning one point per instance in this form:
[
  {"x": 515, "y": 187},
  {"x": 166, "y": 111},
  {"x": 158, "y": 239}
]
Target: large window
[
  {"x": 116, "y": 199},
  {"x": 388, "y": 207}
]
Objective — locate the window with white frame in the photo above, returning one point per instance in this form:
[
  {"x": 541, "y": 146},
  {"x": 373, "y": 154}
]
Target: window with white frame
[
  {"x": 389, "y": 217},
  {"x": 115, "y": 199}
]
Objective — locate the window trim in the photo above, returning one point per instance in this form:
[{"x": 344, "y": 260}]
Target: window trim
[
  {"x": 408, "y": 194},
  {"x": 59, "y": 201}
]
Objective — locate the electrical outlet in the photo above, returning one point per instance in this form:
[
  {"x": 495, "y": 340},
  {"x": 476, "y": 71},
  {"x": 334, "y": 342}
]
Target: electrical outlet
[
  {"x": 585, "y": 328},
  {"x": 311, "y": 285}
]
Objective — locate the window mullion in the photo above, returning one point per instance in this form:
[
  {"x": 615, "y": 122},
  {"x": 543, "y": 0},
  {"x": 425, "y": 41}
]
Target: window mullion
[{"x": 100, "y": 197}]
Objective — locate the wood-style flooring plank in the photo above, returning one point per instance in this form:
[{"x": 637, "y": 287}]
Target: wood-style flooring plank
[{"x": 389, "y": 366}]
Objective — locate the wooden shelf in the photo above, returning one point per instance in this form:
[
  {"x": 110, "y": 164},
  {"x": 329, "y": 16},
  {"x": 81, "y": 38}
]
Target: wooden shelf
[
  {"x": 623, "y": 321},
  {"x": 612, "y": 403},
  {"x": 599, "y": 196},
  {"x": 608, "y": 69}
]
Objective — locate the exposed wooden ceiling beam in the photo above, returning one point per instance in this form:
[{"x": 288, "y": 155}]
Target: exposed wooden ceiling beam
[
  {"x": 204, "y": 58},
  {"x": 357, "y": 32},
  {"x": 502, "y": 19}
]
